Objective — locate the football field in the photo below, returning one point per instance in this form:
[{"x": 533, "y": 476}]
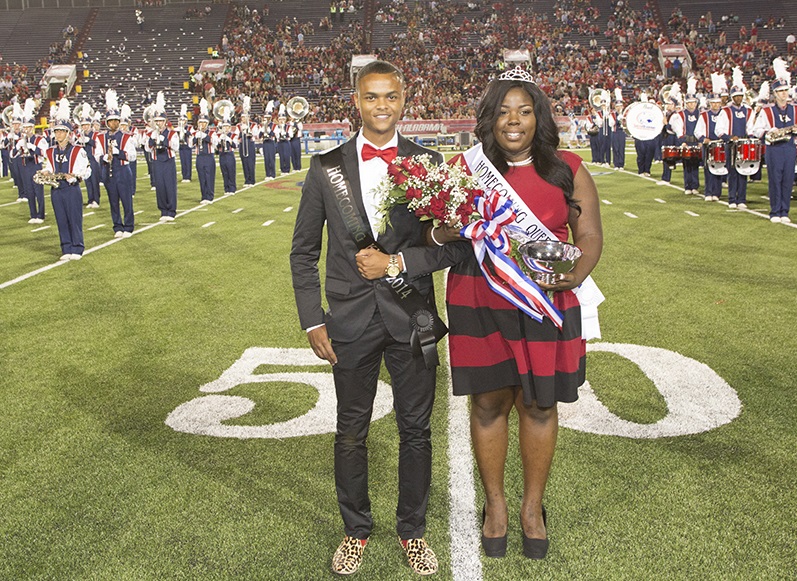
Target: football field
[{"x": 164, "y": 418}]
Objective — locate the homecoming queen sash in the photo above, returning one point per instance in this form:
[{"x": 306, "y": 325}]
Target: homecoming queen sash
[{"x": 490, "y": 179}]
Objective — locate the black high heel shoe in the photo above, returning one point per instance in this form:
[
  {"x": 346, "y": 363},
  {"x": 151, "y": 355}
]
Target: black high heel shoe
[
  {"x": 493, "y": 546},
  {"x": 535, "y": 548}
]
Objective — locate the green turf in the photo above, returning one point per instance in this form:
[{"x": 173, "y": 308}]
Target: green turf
[{"x": 95, "y": 354}]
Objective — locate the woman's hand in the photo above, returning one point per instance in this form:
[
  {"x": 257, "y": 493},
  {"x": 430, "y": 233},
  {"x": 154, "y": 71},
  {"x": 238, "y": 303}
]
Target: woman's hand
[
  {"x": 437, "y": 236},
  {"x": 563, "y": 282}
]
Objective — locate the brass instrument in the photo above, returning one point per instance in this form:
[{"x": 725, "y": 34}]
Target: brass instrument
[
  {"x": 598, "y": 98},
  {"x": 8, "y": 115},
  {"x": 148, "y": 115},
  {"x": 779, "y": 135},
  {"x": 223, "y": 110},
  {"x": 298, "y": 108},
  {"x": 82, "y": 111},
  {"x": 46, "y": 178}
]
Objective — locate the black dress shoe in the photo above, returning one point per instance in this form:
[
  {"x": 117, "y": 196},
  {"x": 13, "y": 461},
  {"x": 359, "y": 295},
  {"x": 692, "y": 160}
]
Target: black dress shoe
[
  {"x": 535, "y": 548},
  {"x": 493, "y": 546}
]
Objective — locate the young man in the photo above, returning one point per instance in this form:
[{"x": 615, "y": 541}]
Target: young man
[
  {"x": 164, "y": 143},
  {"x": 115, "y": 151},
  {"x": 778, "y": 122},
  {"x": 71, "y": 163},
  {"x": 204, "y": 142},
  {"x": 366, "y": 320}
]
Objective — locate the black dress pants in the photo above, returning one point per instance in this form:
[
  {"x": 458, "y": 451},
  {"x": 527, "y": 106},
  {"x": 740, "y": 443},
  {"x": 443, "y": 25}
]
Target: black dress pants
[{"x": 356, "y": 375}]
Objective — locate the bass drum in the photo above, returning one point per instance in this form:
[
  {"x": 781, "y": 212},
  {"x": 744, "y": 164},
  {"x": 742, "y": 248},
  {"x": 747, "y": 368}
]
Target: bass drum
[{"x": 644, "y": 121}]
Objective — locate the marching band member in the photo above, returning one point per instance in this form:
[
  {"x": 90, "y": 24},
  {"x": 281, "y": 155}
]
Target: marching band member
[
  {"x": 270, "y": 146},
  {"x": 618, "y": 132},
  {"x": 4, "y": 152},
  {"x": 735, "y": 123},
  {"x": 705, "y": 132},
  {"x": 668, "y": 138},
  {"x": 295, "y": 128},
  {"x": 645, "y": 148},
  {"x": 226, "y": 146},
  {"x": 761, "y": 100},
  {"x": 116, "y": 151},
  {"x": 185, "y": 147},
  {"x": 72, "y": 165},
  {"x": 85, "y": 139},
  {"x": 683, "y": 124},
  {"x": 778, "y": 123},
  {"x": 283, "y": 143},
  {"x": 11, "y": 141},
  {"x": 247, "y": 130},
  {"x": 164, "y": 143},
  {"x": 137, "y": 136},
  {"x": 29, "y": 151},
  {"x": 204, "y": 143}
]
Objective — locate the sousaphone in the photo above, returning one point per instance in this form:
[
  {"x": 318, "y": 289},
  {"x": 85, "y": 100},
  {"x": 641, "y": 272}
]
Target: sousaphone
[
  {"x": 298, "y": 108},
  {"x": 223, "y": 110},
  {"x": 8, "y": 115}
]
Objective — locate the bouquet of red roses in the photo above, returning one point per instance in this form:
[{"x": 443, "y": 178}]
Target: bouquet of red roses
[{"x": 443, "y": 193}]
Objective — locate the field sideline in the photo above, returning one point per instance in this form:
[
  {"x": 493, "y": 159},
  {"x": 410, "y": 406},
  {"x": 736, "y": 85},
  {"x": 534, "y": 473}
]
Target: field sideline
[{"x": 164, "y": 418}]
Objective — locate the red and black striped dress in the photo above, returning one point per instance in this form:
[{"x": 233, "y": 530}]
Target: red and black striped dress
[{"x": 493, "y": 344}]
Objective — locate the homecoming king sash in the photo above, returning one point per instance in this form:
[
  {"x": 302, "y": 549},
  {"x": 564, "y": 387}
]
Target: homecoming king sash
[
  {"x": 588, "y": 293},
  {"x": 426, "y": 327}
]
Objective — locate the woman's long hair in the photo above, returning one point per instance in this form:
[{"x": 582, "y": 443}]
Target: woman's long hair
[{"x": 547, "y": 162}]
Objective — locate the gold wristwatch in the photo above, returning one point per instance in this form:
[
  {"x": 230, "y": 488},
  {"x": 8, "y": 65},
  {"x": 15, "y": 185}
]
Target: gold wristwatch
[{"x": 393, "y": 268}]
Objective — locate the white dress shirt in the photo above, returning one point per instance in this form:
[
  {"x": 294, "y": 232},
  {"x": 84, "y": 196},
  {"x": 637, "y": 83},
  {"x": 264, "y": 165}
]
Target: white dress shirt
[{"x": 371, "y": 173}]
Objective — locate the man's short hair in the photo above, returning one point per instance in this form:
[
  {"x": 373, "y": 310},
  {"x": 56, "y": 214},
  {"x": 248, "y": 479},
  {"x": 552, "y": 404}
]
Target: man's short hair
[{"x": 378, "y": 68}]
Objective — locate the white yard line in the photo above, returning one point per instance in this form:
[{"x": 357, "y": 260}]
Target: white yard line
[
  {"x": 463, "y": 526},
  {"x": 88, "y": 251}
]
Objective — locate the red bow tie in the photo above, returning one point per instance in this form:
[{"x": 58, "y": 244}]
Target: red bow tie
[{"x": 388, "y": 154}]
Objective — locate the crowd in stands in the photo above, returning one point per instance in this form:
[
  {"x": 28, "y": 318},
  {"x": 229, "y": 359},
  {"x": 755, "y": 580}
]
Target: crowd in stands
[
  {"x": 196, "y": 12},
  {"x": 263, "y": 59},
  {"x": 449, "y": 50},
  {"x": 13, "y": 83},
  {"x": 448, "y": 53}
]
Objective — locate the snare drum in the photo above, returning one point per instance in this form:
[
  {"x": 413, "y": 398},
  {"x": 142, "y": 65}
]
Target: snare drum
[
  {"x": 692, "y": 153},
  {"x": 670, "y": 154},
  {"x": 747, "y": 156},
  {"x": 715, "y": 158}
]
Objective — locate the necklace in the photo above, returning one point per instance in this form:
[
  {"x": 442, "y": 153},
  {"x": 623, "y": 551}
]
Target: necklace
[{"x": 528, "y": 161}]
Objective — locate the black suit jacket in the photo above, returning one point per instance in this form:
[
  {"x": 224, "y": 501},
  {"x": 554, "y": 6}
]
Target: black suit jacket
[{"x": 351, "y": 298}]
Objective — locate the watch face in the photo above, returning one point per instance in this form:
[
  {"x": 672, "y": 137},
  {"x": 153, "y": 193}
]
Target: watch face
[{"x": 393, "y": 270}]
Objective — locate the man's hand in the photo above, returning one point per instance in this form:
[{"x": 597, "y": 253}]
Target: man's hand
[
  {"x": 319, "y": 341},
  {"x": 372, "y": 264}
]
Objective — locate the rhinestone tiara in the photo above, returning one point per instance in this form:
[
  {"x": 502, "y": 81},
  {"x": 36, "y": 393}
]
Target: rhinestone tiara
[{"x": 516, "y": 74}]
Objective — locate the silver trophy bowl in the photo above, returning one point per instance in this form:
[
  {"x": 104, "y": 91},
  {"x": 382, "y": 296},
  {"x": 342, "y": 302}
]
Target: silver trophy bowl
[{"x": 546, "y": 260}]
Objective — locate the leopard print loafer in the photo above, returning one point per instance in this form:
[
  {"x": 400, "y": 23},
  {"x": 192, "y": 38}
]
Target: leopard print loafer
[
  {"x": 349, "y": 556},
  {"x": 421, "y": 558}
]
